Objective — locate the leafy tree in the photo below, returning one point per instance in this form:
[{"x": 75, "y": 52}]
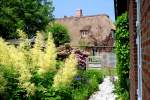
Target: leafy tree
[
  {"x": 60, "y": 34},
  {"x": 28, "y": 15}
]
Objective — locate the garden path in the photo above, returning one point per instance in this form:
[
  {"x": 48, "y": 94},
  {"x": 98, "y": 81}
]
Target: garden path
[{"x": 105, "y": 91}]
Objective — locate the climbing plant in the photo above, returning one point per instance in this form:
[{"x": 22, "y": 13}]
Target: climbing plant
[{"x": 122, "y": 52}]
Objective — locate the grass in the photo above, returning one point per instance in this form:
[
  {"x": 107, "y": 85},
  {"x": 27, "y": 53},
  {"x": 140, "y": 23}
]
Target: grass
[{"x": 106, "y": 71}]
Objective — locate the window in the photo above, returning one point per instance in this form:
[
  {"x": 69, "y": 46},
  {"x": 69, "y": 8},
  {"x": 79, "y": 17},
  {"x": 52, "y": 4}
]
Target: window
[
  {"x": 113, "y": 33},
  {"x": 84, "y": 33}
]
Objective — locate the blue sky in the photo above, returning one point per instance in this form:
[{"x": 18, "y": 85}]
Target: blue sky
[{"x": 89, "y": 7}]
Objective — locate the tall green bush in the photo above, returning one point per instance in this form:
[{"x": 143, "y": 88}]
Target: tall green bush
[
  {"x": 122, "y": 51},
  {"x": 60, "y": 34}
]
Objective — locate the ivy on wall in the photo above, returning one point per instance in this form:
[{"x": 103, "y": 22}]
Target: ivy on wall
[{"x": 122, "y": 52}]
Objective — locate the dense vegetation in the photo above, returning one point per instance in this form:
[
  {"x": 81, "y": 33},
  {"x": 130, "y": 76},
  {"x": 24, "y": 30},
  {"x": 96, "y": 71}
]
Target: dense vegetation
[
  {"x": 40, "y": 71},
  {"x": 86, "y": 84},
  {"x": 33, "y": 73},
  {"x": 122, "y": 52},
  {"x": 60, "y": 34},
  {"x": 28, "y": 15}
]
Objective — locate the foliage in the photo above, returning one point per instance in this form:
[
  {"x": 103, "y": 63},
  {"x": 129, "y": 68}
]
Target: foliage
[
  {"x": 59, "y": 64},
  {"x": 65, "y": 51},
  {"x": 82, "y": 58},
  {"x": 121, "y": 93},
  {"x": 60, "y": 34},
  {"x": 107, "y": 71},
  {"x": 122, "y": 51},
  {"x": 9, "y": 57},
  {"x": 23, "y": 69},
  {"x": 66, "y": 74},
  {"x": 2, "y": 83},
  {"x": 86, "y": 83},
  {"x": 83, "y": 85},
  {"x": 32, "y": 74},
  {"x": 27, "y": 15},
  {"x": 49, "y": 58}
]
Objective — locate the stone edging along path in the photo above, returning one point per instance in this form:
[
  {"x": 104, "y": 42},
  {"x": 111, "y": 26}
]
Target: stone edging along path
[{"x": 105, "y": 91}]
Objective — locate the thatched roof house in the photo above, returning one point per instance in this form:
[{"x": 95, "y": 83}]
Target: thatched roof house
[
  {"x": 93, "y": 29},
  {"x": 94, "y": 33}
]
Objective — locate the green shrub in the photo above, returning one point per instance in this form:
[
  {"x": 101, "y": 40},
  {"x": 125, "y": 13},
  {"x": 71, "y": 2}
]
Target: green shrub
[
  {"x": 122, "y": 94},
  {"x": 59, "y": 33},
  {"x": 59, "y": 64},
  {"x": 86, "y": 83},
  {"x": 94, "y": 73},
  {"x": 31, "y": 73},
  {"x": 122, "y": 52},
  {"x": 21, "y": 69}
]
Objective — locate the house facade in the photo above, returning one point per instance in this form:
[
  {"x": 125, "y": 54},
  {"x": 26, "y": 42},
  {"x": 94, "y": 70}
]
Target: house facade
[
  {"x": 139, "y": 28},
  {"x": 93, "y": 33}
]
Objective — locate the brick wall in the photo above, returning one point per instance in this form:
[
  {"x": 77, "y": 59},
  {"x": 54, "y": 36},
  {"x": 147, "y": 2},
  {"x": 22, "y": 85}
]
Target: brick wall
[
  {"x": 145, "y": 28},
  {"x": 145, "y": 31},
  {"x": 133, "y": 50}
]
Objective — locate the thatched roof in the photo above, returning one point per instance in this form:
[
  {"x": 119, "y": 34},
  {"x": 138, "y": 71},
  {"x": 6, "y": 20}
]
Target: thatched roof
[
  {"x": 87, "y": 28},
  {"x": 99, "y": 26}
]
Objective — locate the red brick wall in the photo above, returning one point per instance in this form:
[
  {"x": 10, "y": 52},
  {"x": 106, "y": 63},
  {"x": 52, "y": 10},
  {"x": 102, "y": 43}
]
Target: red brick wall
[
  {"x": 145, "y": 28},
  {"x": 133, "y": 50},
  {"x": 145, "y": 31}
]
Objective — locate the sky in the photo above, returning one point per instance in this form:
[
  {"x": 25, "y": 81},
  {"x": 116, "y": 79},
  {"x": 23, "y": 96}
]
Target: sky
[{"x": 89, "y": 7}]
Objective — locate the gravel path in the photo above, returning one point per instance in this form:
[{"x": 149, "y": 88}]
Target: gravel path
[{"x": 105, "y": 91}]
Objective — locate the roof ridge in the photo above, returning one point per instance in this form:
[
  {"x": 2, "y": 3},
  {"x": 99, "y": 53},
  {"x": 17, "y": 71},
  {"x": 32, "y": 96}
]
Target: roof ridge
[{"x": 67, "y": 17}]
